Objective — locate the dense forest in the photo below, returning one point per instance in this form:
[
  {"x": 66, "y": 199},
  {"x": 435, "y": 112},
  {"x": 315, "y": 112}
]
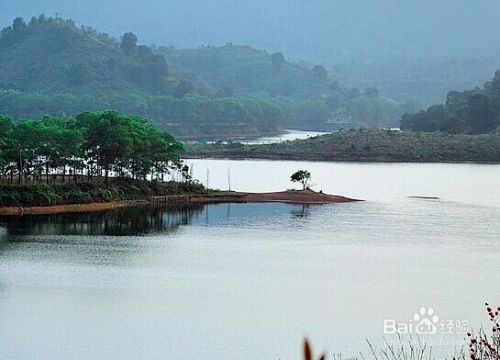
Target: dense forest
[
  {"x": 93, "y": 144},
  {"x": 48, "y": 65},
  {"x": 474, "y": 111},
  {"x": 190, "y": 116}
]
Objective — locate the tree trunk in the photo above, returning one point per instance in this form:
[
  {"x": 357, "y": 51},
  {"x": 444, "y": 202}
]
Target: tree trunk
[{"x": 20, "y": 169}]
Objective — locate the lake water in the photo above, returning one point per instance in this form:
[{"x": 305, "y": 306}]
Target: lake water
[
  {"x": 287, "y": 136},
  {"x": 249, "y": 281}
]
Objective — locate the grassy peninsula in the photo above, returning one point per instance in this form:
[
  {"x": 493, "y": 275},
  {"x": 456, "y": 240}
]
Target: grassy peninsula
[{"x": 364, "y": 145}]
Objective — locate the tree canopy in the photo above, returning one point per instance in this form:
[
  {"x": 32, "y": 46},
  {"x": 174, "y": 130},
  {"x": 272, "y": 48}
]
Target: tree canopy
[
  {"x": 92, "y": 143},
  {"x": 475, "y": 111},
  {"x": 303, "y": 177}
]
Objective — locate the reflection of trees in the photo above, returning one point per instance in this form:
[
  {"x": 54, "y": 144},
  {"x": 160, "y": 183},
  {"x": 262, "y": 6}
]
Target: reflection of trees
[
  {"x": 150, "y": 220},
  {"x": 120, "y": 222},
  {"x": 303, "y": 211},
  {"x": 4, "y": 235}
]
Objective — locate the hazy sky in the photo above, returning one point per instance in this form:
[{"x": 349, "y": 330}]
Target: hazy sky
[{"x": 323, "y": 31}]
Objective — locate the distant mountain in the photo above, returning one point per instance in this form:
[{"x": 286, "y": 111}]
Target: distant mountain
[
  {"x": 246, "y": 70},
  {"x": 319, "y": 31},
  {"x": 312, "y": 99},
  {"x": 425, "y": 82},
  {"x": 411, "y": 50}
]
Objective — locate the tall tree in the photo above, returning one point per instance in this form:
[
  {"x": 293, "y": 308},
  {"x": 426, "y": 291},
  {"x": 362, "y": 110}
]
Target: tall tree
[
  {"x": 129, "y": 43},
  {"x": 303, "y": 177},
  {"x": 320, "y": 72},
  {"x": 278, "y": 61},
  {"x": 7, "y": 144}
]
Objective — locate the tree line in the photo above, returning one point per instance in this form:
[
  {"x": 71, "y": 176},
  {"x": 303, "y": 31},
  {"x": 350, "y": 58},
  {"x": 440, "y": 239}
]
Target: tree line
[
  {"x": 192, "y": 115},
  {"x": 92, "y": 144}
]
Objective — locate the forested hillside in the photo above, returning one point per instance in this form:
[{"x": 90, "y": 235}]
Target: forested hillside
[
  {"x": 309, "y": 95},
  {"x": 51, "y": 66},
  {"x": 475, "y": 111},
  {"x": 246, "y": 70},
  {"x": 50, "y": 55}
]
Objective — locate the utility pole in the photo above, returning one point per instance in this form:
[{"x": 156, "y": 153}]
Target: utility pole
[{"x": 229, "y": 179}]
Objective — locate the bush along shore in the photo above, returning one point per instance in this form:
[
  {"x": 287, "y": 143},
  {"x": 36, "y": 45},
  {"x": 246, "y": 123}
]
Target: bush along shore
[{"x": 364, "y": 145}]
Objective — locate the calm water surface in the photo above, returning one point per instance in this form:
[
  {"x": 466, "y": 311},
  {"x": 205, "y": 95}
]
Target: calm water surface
[
  {"x": 287, "y": 136},
  {"x": 248, "y": 281}
]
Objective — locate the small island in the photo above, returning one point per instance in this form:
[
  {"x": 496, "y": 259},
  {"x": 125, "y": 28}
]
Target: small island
[{"x": 306, "y": 196}]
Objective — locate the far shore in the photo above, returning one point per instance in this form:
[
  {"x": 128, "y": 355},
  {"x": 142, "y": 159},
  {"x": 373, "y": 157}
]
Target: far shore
[
  {"x": 323, "y": 158},
  {"x": 364, "y": 145},
  {"x": 290, "y": 197}
]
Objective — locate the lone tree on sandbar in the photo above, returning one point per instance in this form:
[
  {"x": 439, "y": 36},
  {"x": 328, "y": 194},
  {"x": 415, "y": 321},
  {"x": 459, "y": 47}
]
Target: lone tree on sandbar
[{"x": 303, "y": 177}]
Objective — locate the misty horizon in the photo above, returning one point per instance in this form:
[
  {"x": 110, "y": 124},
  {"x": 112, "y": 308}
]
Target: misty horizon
[{"x": 327, "y": 32}]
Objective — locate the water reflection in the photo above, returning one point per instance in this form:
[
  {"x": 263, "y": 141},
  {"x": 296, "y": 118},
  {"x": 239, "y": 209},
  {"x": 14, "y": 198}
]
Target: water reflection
[
  {"x": 149, "y": 221},
  {"x": 120, "y": 222},
  {"x": 4, "y": 235},
  {"x": 261, "y": 214},
  {"x": 302, "y": 212}
]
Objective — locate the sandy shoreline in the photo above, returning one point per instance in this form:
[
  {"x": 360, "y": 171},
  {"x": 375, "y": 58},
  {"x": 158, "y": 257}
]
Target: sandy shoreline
[{"x": 291, "y": 197}]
